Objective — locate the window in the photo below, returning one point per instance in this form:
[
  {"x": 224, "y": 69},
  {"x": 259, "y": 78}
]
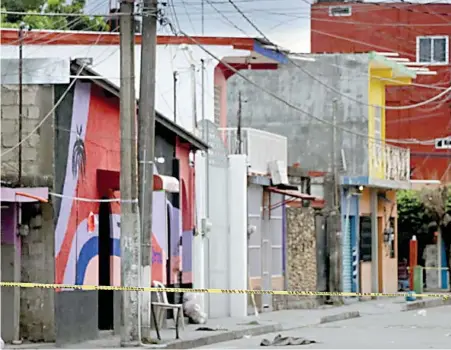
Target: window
[
  {"x": 392, "y": 241},
  {"x": 433, "y": 49},
  {"x": 365, "y": 238},
  {"x": 336, "y": 11},
  {"x": 443, "y": 143}
]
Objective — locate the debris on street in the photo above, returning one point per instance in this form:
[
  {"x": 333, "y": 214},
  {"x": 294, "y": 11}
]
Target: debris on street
[{"x": 286, "y": 341}]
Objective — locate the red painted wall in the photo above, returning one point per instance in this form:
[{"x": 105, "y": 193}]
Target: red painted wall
[{"x": 376, "y": 27}]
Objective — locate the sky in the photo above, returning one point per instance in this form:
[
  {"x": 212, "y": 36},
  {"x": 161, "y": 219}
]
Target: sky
[{"x": 284, "y": 22}]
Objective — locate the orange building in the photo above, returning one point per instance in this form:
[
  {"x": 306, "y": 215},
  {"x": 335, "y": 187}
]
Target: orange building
[{"x": 418, "y": 32}]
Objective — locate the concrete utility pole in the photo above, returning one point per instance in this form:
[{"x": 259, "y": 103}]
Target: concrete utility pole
[
  {"x": 146, "y": 148},
  {"x": 128, "y": 180},
  {"x": 174, "y": 79},
  {"x": 238, "y": 127},
  {"x": 332, "y": 215},
  {"x": 194, "y": 91}
]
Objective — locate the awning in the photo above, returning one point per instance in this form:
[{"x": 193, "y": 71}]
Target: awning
[
  {"x": 292, "y": 193},
  {"x": 166, "y": 183},
  {"x": 24, "y": 194}
]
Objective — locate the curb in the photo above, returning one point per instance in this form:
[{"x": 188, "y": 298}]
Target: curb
[
  {"x": 224, "y": 337},
  {"x": 255, "y": 331},
  {"x": 425, "y": 304},
  {"x": 339, "y": 317}
]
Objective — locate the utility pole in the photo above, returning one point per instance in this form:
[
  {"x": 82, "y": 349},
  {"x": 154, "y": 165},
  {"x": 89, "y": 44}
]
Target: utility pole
[
  {"x": 175, "y": 96},
  {"x": 332, "y": 215},
  {"x": 128, "y": 180},
  {"x": 238, "y": 128},
  {"x": 203, "y": 14},
  {"x": 146, "y": 149},
  {"x": 193, "y": 86},
  {"x": 21, "y": 37}
]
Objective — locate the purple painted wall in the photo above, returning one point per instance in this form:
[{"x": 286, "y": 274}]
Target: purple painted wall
[{"x": 8, "y": 222}]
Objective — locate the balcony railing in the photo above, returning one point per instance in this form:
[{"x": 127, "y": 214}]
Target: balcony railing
[
  {"x": 389, "y": 162},
  {"x": 261, "y": 147}
]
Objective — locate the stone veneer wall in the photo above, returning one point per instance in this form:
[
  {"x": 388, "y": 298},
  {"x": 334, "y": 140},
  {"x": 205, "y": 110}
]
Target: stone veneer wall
[{"x": 300, "y": 257}]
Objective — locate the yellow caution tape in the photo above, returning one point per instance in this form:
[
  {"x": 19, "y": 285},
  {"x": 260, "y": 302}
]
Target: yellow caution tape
[{"x": 215, "y": 291}]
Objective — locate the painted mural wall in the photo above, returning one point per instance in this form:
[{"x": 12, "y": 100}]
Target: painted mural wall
[{"x": 88, "y": 131}]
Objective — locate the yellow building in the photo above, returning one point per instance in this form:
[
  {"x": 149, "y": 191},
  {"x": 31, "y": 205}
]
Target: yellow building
[{"x": 369, "y": 212}]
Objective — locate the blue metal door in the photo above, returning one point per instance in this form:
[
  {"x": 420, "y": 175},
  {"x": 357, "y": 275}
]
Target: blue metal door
[
  {"x": 350, "y": 256},
  {"x": 354, "y": 254}
]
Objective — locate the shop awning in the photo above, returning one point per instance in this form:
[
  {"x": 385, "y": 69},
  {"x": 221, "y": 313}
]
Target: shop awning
[
  {"x": 166, "y": 183},
  {"x": 24, "y": 194},
  {"x": 292, "y": 193}
]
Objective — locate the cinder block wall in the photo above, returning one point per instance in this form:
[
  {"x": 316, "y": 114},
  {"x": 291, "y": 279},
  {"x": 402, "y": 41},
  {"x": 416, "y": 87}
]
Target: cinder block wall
[
  {"x": 37, "y": 259},
  {"x": 37, "y": 150}
]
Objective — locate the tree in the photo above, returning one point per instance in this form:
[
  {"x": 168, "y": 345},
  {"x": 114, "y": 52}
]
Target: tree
[
  {"x": 438, "y": 204},
  {"x": 34, "y": 17}
]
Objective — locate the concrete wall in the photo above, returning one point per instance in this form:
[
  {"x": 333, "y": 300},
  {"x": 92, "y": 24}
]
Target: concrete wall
[
  {"x": 37, "y": 151},
  {"x": 37, "y": 322},
  {"x": 309, "y": 141},
  {"x": 8, "y": 230},
  {"x": 36, "y": 312}
]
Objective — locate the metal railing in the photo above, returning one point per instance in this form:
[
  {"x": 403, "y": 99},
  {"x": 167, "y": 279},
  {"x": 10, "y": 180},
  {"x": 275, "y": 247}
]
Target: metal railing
[
  {"x": 261, "y": 147},
  {"x": 389, "y": 162}
]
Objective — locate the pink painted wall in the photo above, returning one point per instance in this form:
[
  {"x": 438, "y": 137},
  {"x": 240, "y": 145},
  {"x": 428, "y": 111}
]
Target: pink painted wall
[
  {"x": 389, "y": 265},
  {"x": 220, "y": 82},
  {"x": 187, "y": 206}
]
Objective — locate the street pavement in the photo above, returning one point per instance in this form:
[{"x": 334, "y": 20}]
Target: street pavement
[{"x": 420, "y": 329}]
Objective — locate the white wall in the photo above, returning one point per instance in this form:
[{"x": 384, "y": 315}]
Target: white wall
[
  {"x": 170, "y": 58},
  {"x": 238, "y": 233},
  {"x": 198, "y": 256}
]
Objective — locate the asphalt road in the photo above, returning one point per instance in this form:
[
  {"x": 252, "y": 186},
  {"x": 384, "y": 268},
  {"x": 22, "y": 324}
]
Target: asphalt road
[{"x": 403, "y": 330}]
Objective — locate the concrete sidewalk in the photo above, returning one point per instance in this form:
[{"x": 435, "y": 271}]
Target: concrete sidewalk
[{"x": 230, "y": 328}]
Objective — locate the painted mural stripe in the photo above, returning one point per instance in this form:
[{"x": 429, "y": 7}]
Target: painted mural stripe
[
  {"x": 444, "y": 296},
  {"x": 80, "y": 110}
]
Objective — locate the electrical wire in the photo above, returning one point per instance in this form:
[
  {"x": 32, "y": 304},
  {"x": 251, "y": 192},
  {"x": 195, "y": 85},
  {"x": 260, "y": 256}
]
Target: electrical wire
[
  {"x": 93, "y": 200},
  {"x": 47, "y": 42},
  {"x": 280, "y": 99},
  {"x": 48, "y": 115},
  {"x": 63, "y": 14},
  {"x": 326, "y": 85},
  {"x": 384, "y": 79}
]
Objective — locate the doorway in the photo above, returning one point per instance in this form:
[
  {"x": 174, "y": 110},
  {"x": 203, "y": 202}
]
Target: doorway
[{"x": 105, "y": 297}]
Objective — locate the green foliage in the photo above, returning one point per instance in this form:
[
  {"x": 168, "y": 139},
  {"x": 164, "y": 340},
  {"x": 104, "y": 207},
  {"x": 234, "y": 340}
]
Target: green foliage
[
  {"x": 418, "y": 209},
  {"x": 413, "y": 219},
  {"x": 35, "y": 19}
]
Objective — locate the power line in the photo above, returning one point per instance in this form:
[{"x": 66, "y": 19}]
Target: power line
[
  {"x": 332, "y": 88},
  {"x": 280, "y": 99},
  {"x": 48, "y": 115}
]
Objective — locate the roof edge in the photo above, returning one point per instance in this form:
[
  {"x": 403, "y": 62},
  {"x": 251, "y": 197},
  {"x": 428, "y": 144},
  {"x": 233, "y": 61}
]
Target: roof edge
[{"x": 196, "y": 142}]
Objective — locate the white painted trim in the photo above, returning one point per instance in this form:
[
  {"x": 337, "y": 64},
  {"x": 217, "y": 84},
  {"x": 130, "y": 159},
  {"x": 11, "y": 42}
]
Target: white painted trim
[{"x": 433, "y": 37}]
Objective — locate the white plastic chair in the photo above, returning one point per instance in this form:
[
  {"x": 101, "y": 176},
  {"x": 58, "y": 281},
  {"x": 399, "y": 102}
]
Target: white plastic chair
[{"x": 161, "y": 306}]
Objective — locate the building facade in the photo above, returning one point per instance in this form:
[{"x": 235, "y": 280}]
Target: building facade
[
  {"x": 357, "y": 146},
  {"x": 83, "y": 247},
  {"x": 418, "y": 32}
]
